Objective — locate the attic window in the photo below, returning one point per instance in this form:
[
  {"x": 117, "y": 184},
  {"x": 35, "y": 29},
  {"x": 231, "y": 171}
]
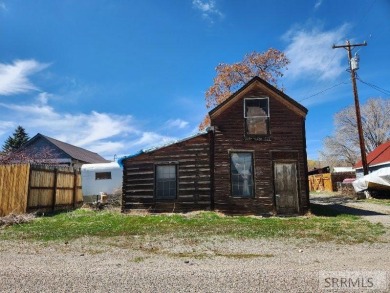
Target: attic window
[
  {"x": 256, "y": 115},
  {"x": 102, "y": 175}
]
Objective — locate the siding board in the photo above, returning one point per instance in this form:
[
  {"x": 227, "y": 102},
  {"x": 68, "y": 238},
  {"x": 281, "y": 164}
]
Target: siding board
[{"x": 285, "y": 135}]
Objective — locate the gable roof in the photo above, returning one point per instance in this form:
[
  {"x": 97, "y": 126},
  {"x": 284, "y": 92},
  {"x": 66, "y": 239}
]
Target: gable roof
[
  {"x": 380, "y": 155},
  {"x": 257, "y": 82},
  {"x": 73, "y": 151}
]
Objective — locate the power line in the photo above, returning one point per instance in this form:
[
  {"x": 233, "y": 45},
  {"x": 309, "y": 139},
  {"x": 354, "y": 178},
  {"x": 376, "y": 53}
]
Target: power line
[
  {"x": 379, "y": 89},
  {"x": 324, "y": 90}
]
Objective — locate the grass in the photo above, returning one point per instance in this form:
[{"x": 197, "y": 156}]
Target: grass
[
  {"x": 385, "y": 202},
  {"x": 321, "y": 226}
]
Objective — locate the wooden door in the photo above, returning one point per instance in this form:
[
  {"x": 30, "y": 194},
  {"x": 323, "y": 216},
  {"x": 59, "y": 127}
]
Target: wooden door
[{"x": 286, "y": 187}]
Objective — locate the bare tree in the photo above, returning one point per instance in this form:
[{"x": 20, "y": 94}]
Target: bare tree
[
  {"x": 343, "y": 148},
  {"x": 43, "y": 156}
]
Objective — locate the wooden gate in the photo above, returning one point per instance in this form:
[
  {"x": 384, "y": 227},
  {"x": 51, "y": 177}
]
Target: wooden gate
[
  {"x": 53, "y": 187},
  {"x": 286, "y": 187}
]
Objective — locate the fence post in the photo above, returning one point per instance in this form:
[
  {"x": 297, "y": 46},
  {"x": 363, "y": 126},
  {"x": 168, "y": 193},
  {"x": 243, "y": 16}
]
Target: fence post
[
  {"x": 29, "y": 188},
  {"x": 74, "y": 187},
  {"x": 54, "y": 189}
]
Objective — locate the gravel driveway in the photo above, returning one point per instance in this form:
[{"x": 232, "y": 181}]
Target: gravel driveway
[
  {"x": 172, "y": 265},
  {"x": 375, "y": 213}
]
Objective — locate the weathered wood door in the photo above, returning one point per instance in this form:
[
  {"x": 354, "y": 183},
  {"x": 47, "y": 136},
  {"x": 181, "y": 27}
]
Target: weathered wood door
[{"x": 286, "y": 187}]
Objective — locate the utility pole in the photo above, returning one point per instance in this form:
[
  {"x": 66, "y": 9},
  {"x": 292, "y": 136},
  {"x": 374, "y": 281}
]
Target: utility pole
[{"x": 353, "y": 66}]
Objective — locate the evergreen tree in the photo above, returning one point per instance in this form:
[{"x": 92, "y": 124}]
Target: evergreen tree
[{"x": 19, "y": 138}]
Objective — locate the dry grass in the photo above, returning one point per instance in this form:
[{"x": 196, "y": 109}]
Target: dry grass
[{"x": 13, "y": 219}]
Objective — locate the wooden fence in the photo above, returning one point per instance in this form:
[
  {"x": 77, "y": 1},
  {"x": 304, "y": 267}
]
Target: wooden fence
[
  {"x": 25, "y": 188},
  {"x": 320, "y": 182},
  {"x": 328, "y": 181}
]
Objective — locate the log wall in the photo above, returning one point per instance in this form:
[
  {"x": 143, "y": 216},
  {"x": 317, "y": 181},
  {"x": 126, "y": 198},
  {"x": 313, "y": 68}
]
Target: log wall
[{"x": 192, "y": 158}]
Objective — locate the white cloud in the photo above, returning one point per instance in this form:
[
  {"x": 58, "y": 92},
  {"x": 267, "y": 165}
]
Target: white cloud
[
  {"x": 208, "y": 8},
  {"x": 5, "y": 126},
  {"x": 43, "y": 98},
  {"x": 176, "y": 123},
  {"x": 14, "y": 78},
  {"x": 311, "y": 53},
  {"x": 2, "y": 6},
  {"x": 111, "y": 148},
  {"x": 83, "y": 130},
  {"x": 152, "y": 139},
  {"x": 317, "y": 4},
  {"x": 105, "y": 133}
]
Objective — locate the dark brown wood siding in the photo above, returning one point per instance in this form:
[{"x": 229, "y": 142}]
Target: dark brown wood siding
[
  {"x": 286, "y": 142},
  {"x": 192, "y": 158}
]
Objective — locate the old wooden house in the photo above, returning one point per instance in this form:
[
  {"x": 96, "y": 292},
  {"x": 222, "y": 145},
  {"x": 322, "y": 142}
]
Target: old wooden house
[{"x": 251, "y": 160}]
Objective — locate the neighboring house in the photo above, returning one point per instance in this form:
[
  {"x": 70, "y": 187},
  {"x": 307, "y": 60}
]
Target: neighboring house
[
  {"x": 252, "y": 160},
  {"x": 49, "y": 150},
  {"x": 377, "y": 159}
]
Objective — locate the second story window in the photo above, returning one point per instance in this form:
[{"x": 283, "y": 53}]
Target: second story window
[{"x": 256, "y": 115}]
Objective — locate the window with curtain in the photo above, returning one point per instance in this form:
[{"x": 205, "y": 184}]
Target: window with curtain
[
  {"x": 241, "y": 168},
  {"x": 256, "y": 115},
  {"x": 166, "y": 182}
]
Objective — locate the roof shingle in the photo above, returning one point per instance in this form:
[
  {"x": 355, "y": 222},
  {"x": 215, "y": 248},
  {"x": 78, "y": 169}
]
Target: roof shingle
[{"x": 73, "y": 151}]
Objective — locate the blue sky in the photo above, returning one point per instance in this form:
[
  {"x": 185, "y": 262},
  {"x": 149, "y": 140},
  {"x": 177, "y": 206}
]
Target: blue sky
[{"x": 118, "y": 76}]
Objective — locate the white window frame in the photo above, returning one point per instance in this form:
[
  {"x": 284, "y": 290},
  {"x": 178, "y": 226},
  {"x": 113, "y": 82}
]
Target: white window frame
[
  {"x": 165, "y": 180},
  {"x": 262, "y": 116},
  {"x": 257, "y": 98}
]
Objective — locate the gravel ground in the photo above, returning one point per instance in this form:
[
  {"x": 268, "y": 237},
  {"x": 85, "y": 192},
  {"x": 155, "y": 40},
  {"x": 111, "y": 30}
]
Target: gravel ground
[
  {"x": 172, "y": 265},
  {"x": 373, "y": 212}
]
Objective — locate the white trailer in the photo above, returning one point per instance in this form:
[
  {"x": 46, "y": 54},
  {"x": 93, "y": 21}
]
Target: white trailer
[{"x": 97, "y": 179}]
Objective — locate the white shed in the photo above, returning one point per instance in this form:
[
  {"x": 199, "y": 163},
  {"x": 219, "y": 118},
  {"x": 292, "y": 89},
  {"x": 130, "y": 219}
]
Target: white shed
[{"x": 98, "y": 178}]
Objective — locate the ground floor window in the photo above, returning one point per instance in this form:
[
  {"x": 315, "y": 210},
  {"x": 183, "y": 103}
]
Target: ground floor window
[
  {"x": 166, "y": 183},
  {"x": 241, "y": 168}
]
